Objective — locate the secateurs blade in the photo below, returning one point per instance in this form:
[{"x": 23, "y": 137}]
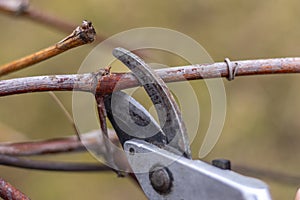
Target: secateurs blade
[{"x": 170, "y": 119}]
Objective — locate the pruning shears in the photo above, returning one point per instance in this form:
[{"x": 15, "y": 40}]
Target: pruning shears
[{"x": 159, "y": 153}]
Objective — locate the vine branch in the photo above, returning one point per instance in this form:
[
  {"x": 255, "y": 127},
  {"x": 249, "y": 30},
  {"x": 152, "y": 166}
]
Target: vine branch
[
  {"x": 83, "y": 34},
  {"x": 13, "y": 161},
  {"x": 55, "y": 145},
  {"x": 23, "y": 8},
  {"x": 117, "y": 81},
  {"x": 9, "y": 192}
]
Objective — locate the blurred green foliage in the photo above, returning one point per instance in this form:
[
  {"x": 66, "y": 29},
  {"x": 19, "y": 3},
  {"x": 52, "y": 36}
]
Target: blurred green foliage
[{"x": 262, "y": 124}]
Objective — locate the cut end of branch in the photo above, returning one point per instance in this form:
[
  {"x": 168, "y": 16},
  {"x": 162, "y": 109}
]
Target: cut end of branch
[
  {"x": 83, "y": 34},
  {"x": 86, "y": 31}
]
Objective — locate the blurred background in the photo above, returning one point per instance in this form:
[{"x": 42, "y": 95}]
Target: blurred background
[{"x": 261, "y": 131}]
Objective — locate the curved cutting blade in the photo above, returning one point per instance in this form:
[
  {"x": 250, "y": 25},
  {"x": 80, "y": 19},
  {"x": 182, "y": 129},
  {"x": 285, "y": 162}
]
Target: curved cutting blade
[{"x": 168, "y": 111}]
